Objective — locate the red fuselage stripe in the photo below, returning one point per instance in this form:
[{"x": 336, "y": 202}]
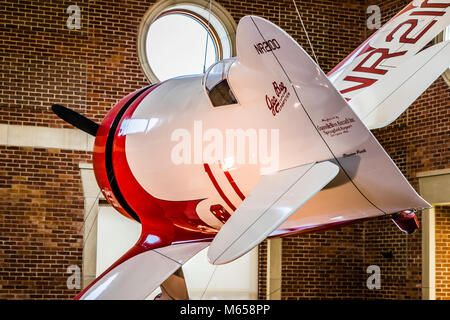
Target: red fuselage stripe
[
  {"x": 234, "y": 185},
  {"x": 218, "y": 188}
]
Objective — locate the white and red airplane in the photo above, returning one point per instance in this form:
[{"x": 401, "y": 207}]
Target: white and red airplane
[{"x": 324, "y": 168}]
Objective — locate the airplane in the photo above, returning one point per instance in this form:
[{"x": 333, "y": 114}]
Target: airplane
[{"x": 303, "y": 157}]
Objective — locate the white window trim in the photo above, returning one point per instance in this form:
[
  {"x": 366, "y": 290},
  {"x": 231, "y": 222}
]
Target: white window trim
[{"x": 163, "y": 5}]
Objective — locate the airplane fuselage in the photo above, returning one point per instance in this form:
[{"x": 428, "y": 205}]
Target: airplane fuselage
[{"x": 167, "y": 155}]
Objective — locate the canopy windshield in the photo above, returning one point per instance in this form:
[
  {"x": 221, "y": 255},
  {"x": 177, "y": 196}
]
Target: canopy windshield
[{"x": 216, "y": 84}]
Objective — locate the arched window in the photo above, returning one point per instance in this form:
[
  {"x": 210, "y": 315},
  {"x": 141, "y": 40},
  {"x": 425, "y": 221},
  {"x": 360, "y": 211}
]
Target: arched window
[{"x": 179, "y": 38}]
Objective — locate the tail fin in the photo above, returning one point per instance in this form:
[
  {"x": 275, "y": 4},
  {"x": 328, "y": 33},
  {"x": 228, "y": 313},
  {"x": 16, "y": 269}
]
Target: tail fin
[{"x": 330, "y": 127}]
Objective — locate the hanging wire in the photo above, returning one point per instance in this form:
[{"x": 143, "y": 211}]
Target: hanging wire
[
  {"x": 90, "y": 210},
  {"x": 271, "y": 293},
  {"x": 90, "y": 229},
  {"x": 109, "y": 175},
  {"x": 306, "y": 32},
  {"x": 209, "y": 281},
  {"x": 207, "y": 37},
  {"x": 204, "y": 70}
]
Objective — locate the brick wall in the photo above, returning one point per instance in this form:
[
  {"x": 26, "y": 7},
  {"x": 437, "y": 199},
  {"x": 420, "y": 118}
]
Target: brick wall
[
  {"x": 323, "y": 265},
  {"x": 262, "y": 271},
  {"x": 41, "y": 217},
  {"x": 399, "y": 257},
  {"x": 442, "y": 220},
  {"x": 43, "y": 62}
]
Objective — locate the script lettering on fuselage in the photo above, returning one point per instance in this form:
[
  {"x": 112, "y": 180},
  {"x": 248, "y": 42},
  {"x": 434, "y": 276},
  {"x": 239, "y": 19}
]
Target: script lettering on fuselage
[
  {"x": 267, "y": 46},
  {"x": 276, "y": 103}
]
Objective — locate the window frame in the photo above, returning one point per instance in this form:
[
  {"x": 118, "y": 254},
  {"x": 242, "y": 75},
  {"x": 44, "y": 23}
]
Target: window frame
[{"x": 166, "y": 7}]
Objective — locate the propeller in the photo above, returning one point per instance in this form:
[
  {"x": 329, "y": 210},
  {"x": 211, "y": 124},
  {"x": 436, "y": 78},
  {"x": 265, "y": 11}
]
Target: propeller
[{"x": 77, "y": 120}]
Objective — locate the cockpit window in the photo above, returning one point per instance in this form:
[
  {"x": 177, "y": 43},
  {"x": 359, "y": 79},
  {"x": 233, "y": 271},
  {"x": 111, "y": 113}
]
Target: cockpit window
[{"x": 216, "y": 84}]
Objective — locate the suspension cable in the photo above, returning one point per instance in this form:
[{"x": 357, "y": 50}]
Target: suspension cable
[
  {"x": 209, "y": 282},
  {"x": 306, "y": 32},
  {"x": 207, "y": 37}
]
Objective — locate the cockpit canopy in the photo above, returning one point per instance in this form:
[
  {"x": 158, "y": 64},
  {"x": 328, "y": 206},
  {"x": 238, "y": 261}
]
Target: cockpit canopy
[{"x": 216, "y": 83}]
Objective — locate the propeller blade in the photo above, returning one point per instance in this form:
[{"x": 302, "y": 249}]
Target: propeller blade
[{"x": 77, "y": 120}]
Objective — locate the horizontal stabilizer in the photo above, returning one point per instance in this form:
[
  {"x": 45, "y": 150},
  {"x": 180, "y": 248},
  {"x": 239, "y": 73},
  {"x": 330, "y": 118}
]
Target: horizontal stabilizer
[
  {"x": 384, "y": 101},
  {"x": 269, "y": 204}
]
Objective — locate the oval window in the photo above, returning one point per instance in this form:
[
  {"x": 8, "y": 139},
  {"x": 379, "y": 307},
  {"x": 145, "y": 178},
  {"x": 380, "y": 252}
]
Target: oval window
[{"x": 182, "y": 39}]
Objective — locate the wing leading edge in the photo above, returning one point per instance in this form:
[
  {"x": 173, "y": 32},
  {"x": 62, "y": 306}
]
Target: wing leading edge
[
  {"x": 139, "y": 272},
  {"x": 389, "y": 66},
  {"x": 383, "y": 102},
  {"x": 273, "y": 200},
  {"x": 393, "y": 44}
]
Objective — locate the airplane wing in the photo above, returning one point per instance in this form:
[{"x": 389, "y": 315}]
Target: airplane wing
[
  {"x": 139, "y": 272},
  {"x": 396, "y": 42},
  {"x": 274, "y": 199},
  {"x": 384, "y": 101}
]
